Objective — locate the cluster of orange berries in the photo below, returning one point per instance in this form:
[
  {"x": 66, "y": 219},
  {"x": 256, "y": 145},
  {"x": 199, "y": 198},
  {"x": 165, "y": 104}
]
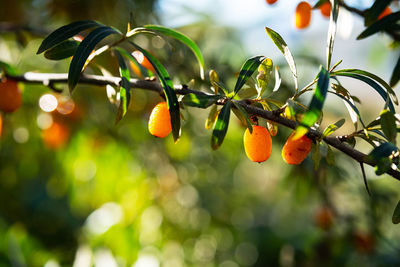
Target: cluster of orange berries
[
  {"x": 303, "y": 12},
  {"x": 257, "y": 145}
]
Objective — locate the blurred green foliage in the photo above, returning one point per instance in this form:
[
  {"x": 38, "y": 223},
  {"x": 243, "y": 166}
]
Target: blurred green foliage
[{"x": 113, "y": 195}]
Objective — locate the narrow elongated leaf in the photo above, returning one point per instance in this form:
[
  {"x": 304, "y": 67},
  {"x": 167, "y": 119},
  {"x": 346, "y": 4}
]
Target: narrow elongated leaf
[
  {"x": 248, "y": 68},
  {"x": 383, "y": 151},
  {"x": 221, "y": 126},
  {"x": 245, "y": 115},
  {"x": 332, "y": 30},
  {"x": 83, "y": 51},
  {"x": 7, "y": 68},
  {"x": 351, "y": 108},
  {"x": 214, "y": 79},
  {"x": 382, "y": 82},
  {"x": 282, "y": 46},
  {"x": 383, "y": 165},
  {"x": 264, "y": 75},
  {"x": 365, "y": 178},
  {"x": 316, "y": 155},
  {"x": 212, "y": 116},
  {"x": 182, "y": 38},
  {"x": 65, "y": 32},
  {"x": 62, "y": 50},
  {"x": 278, "y": 79},
  {"x": 395, "y": 74},
  {"x": 168, "y": 86},
  {"x": 200, "y": 101},
  {"x": 396, "y": 214},
  {"x": 125, "y": 88},
  {"x": 383, "y": 24},
  {"x": 388, "y": 123},
  {"x": 317, "y": 102},
  {"x": 333, "y": 127},
  {"x": 371, "y": 83},
  {"x": 375, "y": 10}
]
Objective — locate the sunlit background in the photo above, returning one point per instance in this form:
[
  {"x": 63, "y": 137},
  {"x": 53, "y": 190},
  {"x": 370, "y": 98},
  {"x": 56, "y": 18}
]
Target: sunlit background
[{"x": 78, "y": 190}]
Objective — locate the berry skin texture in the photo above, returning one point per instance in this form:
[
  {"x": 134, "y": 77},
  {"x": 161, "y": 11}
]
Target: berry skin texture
[
  {"x": 10, "y": 96},
  {"x": 295, "y": 151},
  {"x": 160, "y": 120},
  {"x": 303, "y": 15},
  {"x": 325, "y": 9},
  {"x": 385, "y": 12},
  {"x": 270, "y": 2},
  {"x": 257, "y": 145}
]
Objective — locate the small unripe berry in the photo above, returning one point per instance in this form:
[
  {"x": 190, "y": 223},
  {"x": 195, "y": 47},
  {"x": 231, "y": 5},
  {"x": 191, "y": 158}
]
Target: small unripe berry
[
  {"x": 160, "y": 120},
  {"x": 295, "y": 151},
  {"x": 257, "y": 145}
]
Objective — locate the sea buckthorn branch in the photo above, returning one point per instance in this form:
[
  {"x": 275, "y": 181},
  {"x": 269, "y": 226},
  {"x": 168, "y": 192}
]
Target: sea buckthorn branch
[{"x": 153, "y": 85}]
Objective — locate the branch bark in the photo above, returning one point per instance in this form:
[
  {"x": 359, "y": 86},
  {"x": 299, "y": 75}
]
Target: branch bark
[{"x": 153, "y": 85}]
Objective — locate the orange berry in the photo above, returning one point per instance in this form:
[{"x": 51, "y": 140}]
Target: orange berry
[
  {"x": 10, "y": 96},
  {"x": 271, "y": 1},
  {"x": 257, "y": 145},
  {"x": 160, "y": 120},
  {"x": 303, "y": 15},
  {"x": 325, "y": 9},
  {"x": 295, "y": 151},
  {"x": 143, "y": 60},
  {"x": 385, "y": 12},
  {"x": 1, "y": 124},
  {"x": 56, "y": 135}
]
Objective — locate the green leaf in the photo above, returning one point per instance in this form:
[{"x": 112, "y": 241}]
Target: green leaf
[
  {"x": 353, "y": 110},
  {"x": 212, "y": 116},
  {"x": 396, "y": 214},
  {"x": 125, "y": 87},
  {"x": 371, "y": 83},
  {"x": 316, "y": 155},
  {"x": 332, "y": 30},
  {"x": 278, "y": 79},
  {"x": 200, "y": 101},
  {"x": 282, "y": 46},
  {"x": 382, "y": 166},
  {"x": 7, "y": 68},
  {"x": 395, "y": 74},
  {"x": 330, "y": 156},
  {"x": 375, "y": 10},
  {"x": 243, "y": 112},
  {"x": 388, "y": 87},
  {"x": 264, "y": 75},
  {"x": 384, "y": 23},
  {"x": 83, "y": 51},
  {"x": 388, "y": 123},
  {"x": 65, "y": 32},
  {"x": 169, "y": 91},
  {"x": 383, "y": 151},
  {"x": 317, "y": 102},
  {"x": 333, "y": 127},
  {"x": 62, "y": 50},
  {"x": 248, "y": 68},
  {"x": 214, "y": 80},
  {"x": 221, "y": 126},
  {"x": 365, "y": 178},
  {"x": 182, "y": 38}
]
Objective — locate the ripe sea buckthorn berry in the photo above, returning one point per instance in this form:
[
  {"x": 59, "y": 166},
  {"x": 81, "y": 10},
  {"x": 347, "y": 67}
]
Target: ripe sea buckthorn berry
[
  {"x": 385, "y": 12},
  {"x": 1, "y": 124},
  {"x": 160, "y": 120},
  {"x": 303, "y": 15},
  {"x": 271, "y": 1},
  {"x": 56, "y": 135},
  {"x": 325, "y": 9},
  {"x": 295, "y": 151},
  {"x": 10, "y": 96},
  {"x": 143, "y": 60},
  {"x": 257, "y": 145}
]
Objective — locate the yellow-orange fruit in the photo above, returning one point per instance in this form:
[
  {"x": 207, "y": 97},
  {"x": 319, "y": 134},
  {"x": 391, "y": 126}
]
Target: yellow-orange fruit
[
  {"x": 143, "y": 60},
  {"x": 325, "y": 9},
  {"x": 160, "y": 120},
  {"x": 303, "y": 15},
  {"x": 271, "y": 1},
  {"x": 10, "y": 96},
  {"x": 295, "y": 151},
  {"x": 56, "y": 135},
  {"x": 257, "y": 145},
  {"x": 385, "y": 12}
]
